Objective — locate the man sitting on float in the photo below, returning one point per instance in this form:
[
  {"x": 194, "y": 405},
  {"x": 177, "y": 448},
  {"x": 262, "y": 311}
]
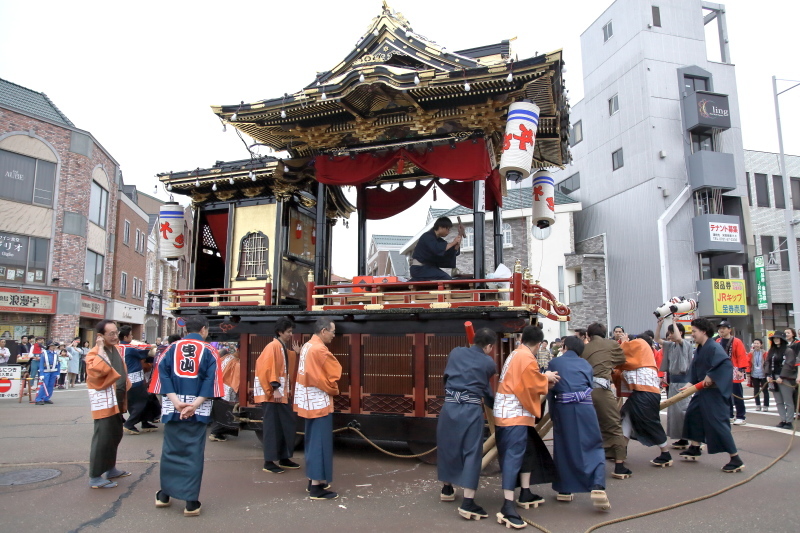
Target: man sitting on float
[{"x": 433, "y": 253}]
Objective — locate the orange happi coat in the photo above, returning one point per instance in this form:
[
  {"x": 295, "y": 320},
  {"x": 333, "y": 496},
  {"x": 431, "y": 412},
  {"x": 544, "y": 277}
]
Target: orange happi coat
[
  {"x": 318, "y": 372},
  {"x": 636, "y": 370},
  {"x": 231, "y": 372},
  {"x": 271, "y": 367},
  {"x": 520, "y": 390},
  {"x": 101, "y": 379}
]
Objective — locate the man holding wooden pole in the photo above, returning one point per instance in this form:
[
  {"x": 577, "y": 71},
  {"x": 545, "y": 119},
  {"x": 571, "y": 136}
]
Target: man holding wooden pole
[
  {"x": 518, "y": 403},
  {"x": 459, "y": 431}
]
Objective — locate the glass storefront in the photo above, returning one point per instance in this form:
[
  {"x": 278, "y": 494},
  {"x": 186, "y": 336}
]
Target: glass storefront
[
  {"x": 15, "y": 325},
  {"x": 23, "y": 259}
]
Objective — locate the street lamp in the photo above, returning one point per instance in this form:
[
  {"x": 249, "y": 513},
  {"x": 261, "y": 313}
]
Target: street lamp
[{"x": 788, "y": 213}]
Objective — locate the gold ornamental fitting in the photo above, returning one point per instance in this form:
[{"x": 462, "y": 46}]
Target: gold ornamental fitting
[
  {"x": 517, "y": 266},
  {"x": 310, "y": 275},
  {"x": 527, "y": 274}
]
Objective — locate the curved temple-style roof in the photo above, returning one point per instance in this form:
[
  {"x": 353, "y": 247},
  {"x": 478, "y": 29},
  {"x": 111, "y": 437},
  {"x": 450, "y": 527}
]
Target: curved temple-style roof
[
  {"x": 397, "y": 87},
  {"x": 251, "y": 178}
]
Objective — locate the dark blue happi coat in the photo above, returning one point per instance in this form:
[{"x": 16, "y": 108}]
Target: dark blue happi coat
[
  {"x": 459, "y": 431},
  {"x": 707, "y": 415},
  {"x": 432, "y": 252},
  {"x": 577, "y": 442}
]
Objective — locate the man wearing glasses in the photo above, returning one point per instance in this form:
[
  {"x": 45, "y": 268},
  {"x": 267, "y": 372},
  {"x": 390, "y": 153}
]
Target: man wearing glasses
[
  {"x": 107, "y": 383},
  {"x": 317, "y": 375}
]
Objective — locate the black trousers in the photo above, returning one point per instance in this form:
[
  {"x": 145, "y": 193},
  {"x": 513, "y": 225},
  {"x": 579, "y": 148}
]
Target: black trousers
[
  {"x": 738, "y": 402},
  {"x": 137, "y": 402},
  {"x": 222, "y": 414},
  {"x": 757, "y": 384},
  {"x": 105, "y": 441},
  {"x": 279, "y": 432},
  {"x": 152, "y": 410}
]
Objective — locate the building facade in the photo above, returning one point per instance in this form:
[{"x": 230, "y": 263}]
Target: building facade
[
  {"x": 767, "y": 205},
  {"x": 58, "y": 201},
  {"x": 128, "y": 285},
  {"x": 658, "y": 160},
  {"x": 384, "y": 257}
]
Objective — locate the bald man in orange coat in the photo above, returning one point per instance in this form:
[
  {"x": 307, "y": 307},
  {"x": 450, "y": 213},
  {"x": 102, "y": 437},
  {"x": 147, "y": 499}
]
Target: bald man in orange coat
[{"x": 318, "y": 373}]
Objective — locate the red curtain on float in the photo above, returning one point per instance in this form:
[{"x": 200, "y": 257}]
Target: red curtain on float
[
  {"x": 218, "y": 224},
  {"x": 461, "y": 163},
  {"x": 381, "y": 203}
]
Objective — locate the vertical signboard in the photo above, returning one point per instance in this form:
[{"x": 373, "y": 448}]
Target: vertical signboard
[{"x": 761, "y": 283}]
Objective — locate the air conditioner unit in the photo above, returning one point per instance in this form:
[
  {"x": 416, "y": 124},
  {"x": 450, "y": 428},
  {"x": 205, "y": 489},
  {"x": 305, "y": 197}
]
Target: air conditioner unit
[{"x": 734, "y": 272}]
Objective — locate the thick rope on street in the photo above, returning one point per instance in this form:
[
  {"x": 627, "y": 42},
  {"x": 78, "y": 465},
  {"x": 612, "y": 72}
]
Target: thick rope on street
[
  {"x": 685, "y": 502},
  {"x": 764, "y": 386}
]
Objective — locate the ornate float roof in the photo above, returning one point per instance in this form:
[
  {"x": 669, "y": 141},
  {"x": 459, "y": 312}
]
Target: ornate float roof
[
  {"x": 255, "y": 178},
  {"x": 397, "y": 87}
]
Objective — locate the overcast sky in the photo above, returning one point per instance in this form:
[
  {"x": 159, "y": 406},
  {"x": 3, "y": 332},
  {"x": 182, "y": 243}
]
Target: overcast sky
[{"x": 140, "y": 76}]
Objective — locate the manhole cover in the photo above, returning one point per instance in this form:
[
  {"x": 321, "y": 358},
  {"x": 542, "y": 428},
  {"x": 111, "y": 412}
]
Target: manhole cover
[{"x": 25, "y": 477}]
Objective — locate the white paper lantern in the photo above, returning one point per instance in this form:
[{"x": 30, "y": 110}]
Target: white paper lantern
[
  {"x": 171, "y": 239},
  {"x": 518, "y": 142},
  {"x": 544, "y": 201}
]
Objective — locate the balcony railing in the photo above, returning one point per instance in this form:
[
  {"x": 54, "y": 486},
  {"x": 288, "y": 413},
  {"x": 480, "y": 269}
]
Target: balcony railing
[
  {"x": 575, "y": 293},
  {"x": 514, "y": 293}
]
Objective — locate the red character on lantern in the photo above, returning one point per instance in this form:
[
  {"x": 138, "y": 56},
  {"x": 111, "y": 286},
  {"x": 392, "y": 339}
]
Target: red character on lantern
[{"x": 298, "y": 231}]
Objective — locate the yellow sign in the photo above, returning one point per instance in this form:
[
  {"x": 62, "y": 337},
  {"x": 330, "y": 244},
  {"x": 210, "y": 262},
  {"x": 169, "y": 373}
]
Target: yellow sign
[{"x": 730, "y": 297}]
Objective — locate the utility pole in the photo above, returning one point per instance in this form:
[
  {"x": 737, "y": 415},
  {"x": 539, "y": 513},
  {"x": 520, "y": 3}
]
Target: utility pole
[{"x": 788, "y": 213}]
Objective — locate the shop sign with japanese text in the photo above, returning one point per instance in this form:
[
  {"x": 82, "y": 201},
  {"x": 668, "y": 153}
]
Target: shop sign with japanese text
[
  {"x": 730, "y": 297},
  {"x": 723, "y": 232},
  {"x": 27, "y": 301},
  {"x": 92, "y": 308}
]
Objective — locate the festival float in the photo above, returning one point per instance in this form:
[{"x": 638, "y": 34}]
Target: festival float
[{"x": 400, "y": 114}]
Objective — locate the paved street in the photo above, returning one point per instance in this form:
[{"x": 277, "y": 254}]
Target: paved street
[{"x": 377, "y": 492}]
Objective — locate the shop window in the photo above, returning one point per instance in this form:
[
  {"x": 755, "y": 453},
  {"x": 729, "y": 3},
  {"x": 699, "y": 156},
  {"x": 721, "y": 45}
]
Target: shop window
[
  {"x": 123, "y": 284},
  {"x": 126, "y": 233},
  {"x": 98, "y": 205},
  {"x": 25, "y": 179},
  {"x": 94, "y": 272},
  {"x": 23, "y": 259},
  {"x": 253, "y": 256},
  {"x": 16, "y": 325}
]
